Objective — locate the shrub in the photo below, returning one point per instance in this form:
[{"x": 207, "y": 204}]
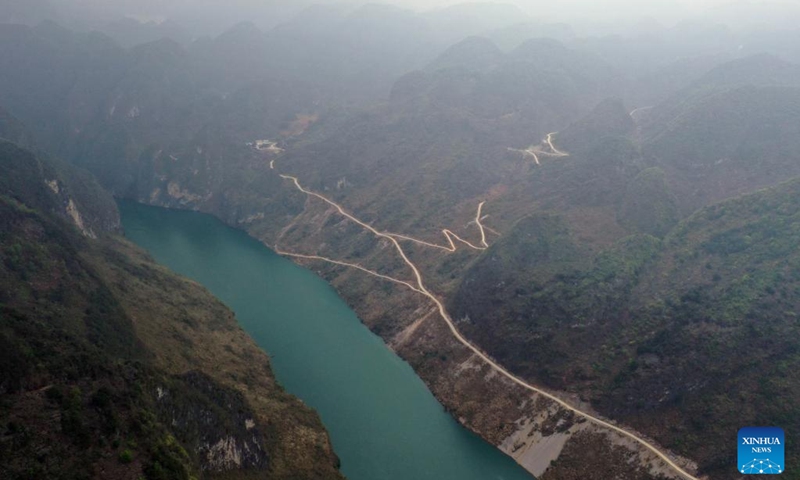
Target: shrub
[{"x": 125, "y": 456}]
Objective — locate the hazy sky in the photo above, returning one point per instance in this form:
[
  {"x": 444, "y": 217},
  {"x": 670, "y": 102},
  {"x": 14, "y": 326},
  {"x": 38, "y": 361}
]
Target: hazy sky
[
  {"x": 572, "y": 5},
  {"x": 534, "y": 6},
  {"x": 575, "y": 12},
  {"x": 667, "y": 11}
]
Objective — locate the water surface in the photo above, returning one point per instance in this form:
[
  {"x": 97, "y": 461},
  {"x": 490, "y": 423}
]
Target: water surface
[{"x": 383, "y": 421}]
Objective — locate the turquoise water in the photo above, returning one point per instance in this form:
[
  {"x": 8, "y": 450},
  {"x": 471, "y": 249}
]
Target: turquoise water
[{"x": 383, "y": 421}]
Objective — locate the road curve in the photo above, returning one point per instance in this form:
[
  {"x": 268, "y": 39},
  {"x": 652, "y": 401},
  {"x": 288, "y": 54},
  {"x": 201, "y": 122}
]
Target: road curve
[
  {"x": 420, "y": 288},
  {"x": 633, "y": 112},
  {"x": 527, "y": 152},
  {"x": 536, "y": 150},
  {"x": 556, "y": 152},
  {"x": 449, "y": 234},
  {"x": 480, "y": 226}
]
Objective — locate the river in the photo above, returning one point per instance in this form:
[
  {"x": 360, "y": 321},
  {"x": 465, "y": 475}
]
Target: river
[{"x": 383, "y": 421}]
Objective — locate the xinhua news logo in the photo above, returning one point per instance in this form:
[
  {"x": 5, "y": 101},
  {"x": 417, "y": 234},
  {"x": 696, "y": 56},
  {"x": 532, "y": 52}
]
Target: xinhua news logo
[{"x": 761, "y": 450}]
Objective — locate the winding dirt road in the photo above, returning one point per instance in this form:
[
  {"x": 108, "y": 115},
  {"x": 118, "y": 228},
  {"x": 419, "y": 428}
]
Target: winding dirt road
[
  {"x": 527, "y": 152},
  {"x": 536, "y": 150},
  {"x": 448, "y": 234},
  {"x": 419, "y": 287},
  {"x": 555, "y": 152},
  {"x": 478, "y": 219}
]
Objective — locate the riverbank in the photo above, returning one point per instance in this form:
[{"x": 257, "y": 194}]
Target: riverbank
[
  {"x": 491, "y": 405},
  {"x": 487, "y": 404},
  {"x": 383, "y": 421}
]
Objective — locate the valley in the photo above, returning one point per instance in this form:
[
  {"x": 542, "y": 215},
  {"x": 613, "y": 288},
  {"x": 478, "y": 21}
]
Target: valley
[{"x": 578, "y": 302}]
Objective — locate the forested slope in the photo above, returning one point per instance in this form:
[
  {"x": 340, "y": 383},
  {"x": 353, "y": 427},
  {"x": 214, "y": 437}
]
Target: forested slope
[
  {"x": 685, "y": 338},
  {"x": 113, "y": 367}
]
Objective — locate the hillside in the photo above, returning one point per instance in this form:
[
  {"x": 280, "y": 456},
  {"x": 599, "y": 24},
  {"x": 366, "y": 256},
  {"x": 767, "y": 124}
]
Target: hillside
[
  {"x": 730, "y": 133},
  {"x": 445, "y": 137},
  {"x": 53, "y": 187},
  {"x": 113, "y": 367},
  {"x": 652, "y": 332}
]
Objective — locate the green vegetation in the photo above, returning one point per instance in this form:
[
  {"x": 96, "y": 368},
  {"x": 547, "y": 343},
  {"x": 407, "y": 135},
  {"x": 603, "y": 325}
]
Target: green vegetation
[
  {"x": 648, "y": 206},
  {"x": 733, "y": 131},
  {"x": 567, "y": 296},
  {"x": 125, "y": 456},
  {"x": 49, "y": 185},
  {"x": 70, "y": 389},
  {"x": 109, "y": 363},
  {"x": 685, "y": 339}
]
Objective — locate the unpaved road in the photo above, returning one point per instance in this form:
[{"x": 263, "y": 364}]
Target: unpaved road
[{"x": 419, "y": 286}]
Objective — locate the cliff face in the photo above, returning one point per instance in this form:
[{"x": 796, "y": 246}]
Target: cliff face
[
  {"x": 53, "y": 187},
  {"x": 113, "y": 367}
]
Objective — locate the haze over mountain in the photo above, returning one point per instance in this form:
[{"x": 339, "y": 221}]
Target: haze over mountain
[
  {"x": 208, "y": 17},
  {"x": 569, "y": 222}
]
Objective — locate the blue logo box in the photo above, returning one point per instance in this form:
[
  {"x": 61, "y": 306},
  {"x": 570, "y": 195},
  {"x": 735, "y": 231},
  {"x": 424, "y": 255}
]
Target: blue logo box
[{"x": 761, "y": 451}]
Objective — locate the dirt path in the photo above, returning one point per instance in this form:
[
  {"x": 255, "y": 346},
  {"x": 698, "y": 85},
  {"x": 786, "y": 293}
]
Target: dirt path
[
  {"x": 528, "y": 152},
  {"x": 478, "y": 219},
  {"x": 555, "y": 152},
  {"x": 536, "y": 150},
  {"x": 640, "y": 109},
  {"x": 449, "y": 235}
]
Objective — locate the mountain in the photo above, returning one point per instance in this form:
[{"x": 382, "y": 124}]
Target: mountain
[
  {"x": 455, "y": 22},
  {"x": 238, "y": 56},
  {"x": 143, "y": 118},
  {"x": 510, "y": 37},
  {"x": 13, "y": 130},
  {"x": 638, "y": 272},
  {"x": 52, "y": 186},
  {"x": 58, "y": 189},
  {"x": 762, "y": 70},
  {"x": 455, "y": 120},
  {"x": 129, "y": 32},
  {"x": 608, "y": 119},
  {"x": 664, "y": 61},
  {"x": 354, "y": 53},
  {"x": 41, "y": 70},
  {"x": 652, "y": 331},
  {"x": 730, "y": 132},
  {"x": 91, "y": 101},
  {"x": 113, "y": 367},
  {"x": 477, "y": 54},
  {"x": 28, "y": 12}
]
